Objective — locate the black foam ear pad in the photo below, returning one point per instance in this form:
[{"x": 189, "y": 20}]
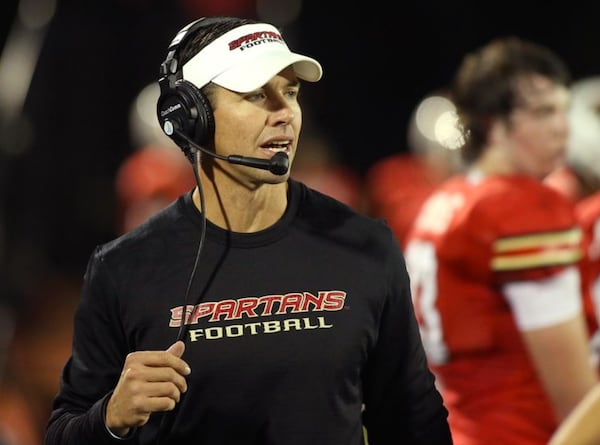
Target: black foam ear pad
[
  {"x": 181, "y": 105},
  {"x": 189, "y": 111}
]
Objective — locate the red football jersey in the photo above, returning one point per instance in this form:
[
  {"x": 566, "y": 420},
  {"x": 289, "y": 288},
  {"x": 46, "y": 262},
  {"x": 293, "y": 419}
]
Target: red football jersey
[{"x": 469, "y": 240}]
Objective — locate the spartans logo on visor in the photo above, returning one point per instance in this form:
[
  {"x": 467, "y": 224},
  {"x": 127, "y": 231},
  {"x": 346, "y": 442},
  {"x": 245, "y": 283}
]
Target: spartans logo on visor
[{"x": 246, "y": 58}]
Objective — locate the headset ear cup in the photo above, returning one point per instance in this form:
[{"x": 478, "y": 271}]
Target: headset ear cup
[
  {"x": 189, "y": 111},
  {"x": 204, "y": 128}
]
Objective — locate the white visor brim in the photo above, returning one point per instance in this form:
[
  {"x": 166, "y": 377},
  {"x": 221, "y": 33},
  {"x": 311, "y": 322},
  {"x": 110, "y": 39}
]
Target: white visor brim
[{"x": 246, "y": 58}]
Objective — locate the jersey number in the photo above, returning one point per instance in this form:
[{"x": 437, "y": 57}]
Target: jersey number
[{"x": 422, "y": 265}]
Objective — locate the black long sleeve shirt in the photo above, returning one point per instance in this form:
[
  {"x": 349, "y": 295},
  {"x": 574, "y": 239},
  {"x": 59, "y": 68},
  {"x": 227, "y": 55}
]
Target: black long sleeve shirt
[{"x": 298, "y": 334}]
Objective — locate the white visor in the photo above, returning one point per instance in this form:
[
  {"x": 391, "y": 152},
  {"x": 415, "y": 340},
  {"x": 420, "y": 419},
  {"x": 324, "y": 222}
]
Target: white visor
[{"x": 246, "y": 58}]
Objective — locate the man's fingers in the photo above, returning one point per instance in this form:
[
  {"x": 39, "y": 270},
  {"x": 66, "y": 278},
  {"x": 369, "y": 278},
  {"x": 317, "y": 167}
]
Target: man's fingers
[
  {"x": 151, "y": 381},
  {"x": 158, "y": 359},
  {"x": 137, "y": 376},
  {"x": 162, "y": 404},
  {"x": 149, "y": 391},
  {"x": 177, "y": 348},
  {"x": 167, "y": 375}
]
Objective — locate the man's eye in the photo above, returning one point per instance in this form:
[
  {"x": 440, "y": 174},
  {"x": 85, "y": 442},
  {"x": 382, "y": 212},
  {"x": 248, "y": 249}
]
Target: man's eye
[{"x": 253, "y": 97}]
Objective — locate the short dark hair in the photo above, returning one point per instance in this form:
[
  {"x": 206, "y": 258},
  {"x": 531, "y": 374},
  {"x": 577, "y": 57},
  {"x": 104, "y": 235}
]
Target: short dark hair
[{"x": 485, "y": 85}]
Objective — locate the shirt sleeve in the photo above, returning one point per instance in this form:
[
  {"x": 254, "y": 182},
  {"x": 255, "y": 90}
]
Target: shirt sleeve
[
  {"x": 542, "y": 303},
  {"x": 402, "y": 403},
  {"x": 93, "y": 369}
]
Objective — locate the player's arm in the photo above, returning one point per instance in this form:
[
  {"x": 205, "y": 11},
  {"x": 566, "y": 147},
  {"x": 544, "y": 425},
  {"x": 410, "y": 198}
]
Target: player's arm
[
  {"x": 560, "y": 354},
  {"x": 549, "y": 315}
]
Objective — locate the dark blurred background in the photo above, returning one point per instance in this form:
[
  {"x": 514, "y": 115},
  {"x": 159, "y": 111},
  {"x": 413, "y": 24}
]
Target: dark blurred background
[{"x": 70, "y": 71}]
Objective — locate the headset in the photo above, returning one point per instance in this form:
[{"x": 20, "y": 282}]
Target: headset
[
  {"x": 185, "y": 113},
  {"x": 181, "y": 103}
]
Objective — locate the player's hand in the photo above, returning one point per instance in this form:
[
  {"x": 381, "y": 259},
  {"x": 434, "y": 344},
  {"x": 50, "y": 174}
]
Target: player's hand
[{"x": 151, "y": 381}]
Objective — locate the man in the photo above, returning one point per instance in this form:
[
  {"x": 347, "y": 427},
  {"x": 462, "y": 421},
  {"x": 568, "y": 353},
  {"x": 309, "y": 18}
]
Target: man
[
  {"x": 493, "y": 256},
  {"x": 579, "y": 181},
  {"x": 253, "y": 309}
]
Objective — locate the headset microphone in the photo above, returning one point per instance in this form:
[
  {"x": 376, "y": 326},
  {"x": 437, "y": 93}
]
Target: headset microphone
[{"x": 278, "y": 164}]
